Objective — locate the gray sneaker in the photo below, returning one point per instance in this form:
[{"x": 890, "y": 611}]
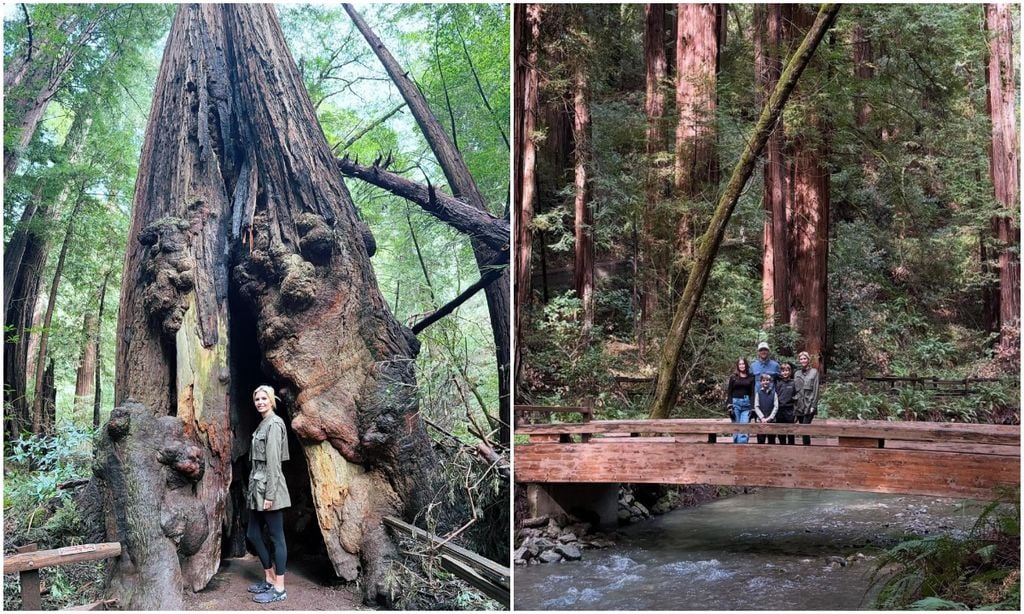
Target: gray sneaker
[
  {"x": 260, "y": 587},
  {"x": 271, "y": 596}
]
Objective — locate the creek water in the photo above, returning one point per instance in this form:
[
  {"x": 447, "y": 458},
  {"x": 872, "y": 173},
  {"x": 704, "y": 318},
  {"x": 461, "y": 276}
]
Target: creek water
[{"x": 771, "y": 549}]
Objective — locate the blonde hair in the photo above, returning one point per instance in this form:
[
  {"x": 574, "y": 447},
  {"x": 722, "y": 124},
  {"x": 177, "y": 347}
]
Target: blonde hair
[
  {"x": 269, "y": 392},
  {"x": 802, "y": 354}
]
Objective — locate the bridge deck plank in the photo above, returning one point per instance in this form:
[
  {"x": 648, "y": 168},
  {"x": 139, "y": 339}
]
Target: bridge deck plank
[
  {"x": 994, "y": 434},
  {"x": 924, "y": 472}
]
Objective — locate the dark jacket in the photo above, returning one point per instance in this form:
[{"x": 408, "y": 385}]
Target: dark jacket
[
  {"x": 785, "y": 390},
  {"x": 806, "y": 383}
]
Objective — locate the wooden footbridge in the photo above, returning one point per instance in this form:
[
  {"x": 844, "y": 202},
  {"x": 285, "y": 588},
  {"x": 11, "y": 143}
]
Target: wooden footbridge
[{"x": 922, "y": 458}]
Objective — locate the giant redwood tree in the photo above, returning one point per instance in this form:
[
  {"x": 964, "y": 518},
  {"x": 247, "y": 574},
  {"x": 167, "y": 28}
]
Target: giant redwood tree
[
  {"x": 247, "y": 264},
  {"x": 1001, "y": 77}
]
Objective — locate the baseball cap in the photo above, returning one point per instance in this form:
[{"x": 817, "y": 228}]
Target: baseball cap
[{"x": 762, "y": 346}]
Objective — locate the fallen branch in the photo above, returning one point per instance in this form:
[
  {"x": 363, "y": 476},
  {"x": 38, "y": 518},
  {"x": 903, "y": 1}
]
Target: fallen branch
[
  {"x": 492, "y": 231},
  {"x": 496, "y": 269}
]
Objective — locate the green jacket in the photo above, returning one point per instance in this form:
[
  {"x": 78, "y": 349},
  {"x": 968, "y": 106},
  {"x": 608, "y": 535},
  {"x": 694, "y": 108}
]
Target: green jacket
[
  {"x": 806, "y": 383},
  {"x": 269, "y": 449}
]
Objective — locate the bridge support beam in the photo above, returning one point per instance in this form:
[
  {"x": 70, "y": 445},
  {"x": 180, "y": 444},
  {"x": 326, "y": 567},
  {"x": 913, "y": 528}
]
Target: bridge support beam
[{"x": 597, "y": 504}]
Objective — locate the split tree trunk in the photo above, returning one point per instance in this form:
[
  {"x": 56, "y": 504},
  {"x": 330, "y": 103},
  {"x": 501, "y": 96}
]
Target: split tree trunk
[
  {"x": 465, "y": 189},
  {"x": 527, "y": 27},
  {"x": 667, "y": 385},
  {"x": 775, "y": 276},
  {"x": 583, "y": 227},
  {"x": 98, "y": 386},
  {"x": 235, "y": 163},
  {"x": 1004, "y": 158},
  {"x": 696, "y": 167}
]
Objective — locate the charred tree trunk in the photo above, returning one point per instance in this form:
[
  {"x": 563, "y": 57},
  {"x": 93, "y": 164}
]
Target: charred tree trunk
[
  {"x": 465, "y": 189},
  {"x": 527, "y": 33},
  {"x": 666, "y": 385},
  {"x": 1004, "y": 166},
  {"x": 47, "y": 393},
  {"x": 775, "y": 245},
  {"x": 808, "y": 200},
  {"x": 696, "y": 166},
  {"x": 583, "y": 263},
  {"x": 651, "y": 259},
  {"x": 235, "y": 163}
]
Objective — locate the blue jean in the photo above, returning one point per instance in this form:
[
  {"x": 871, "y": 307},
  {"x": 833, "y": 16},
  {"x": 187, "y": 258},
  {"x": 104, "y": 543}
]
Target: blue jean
[{"x": 741, "y": 414}]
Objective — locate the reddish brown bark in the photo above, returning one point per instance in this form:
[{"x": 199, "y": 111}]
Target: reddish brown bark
[
  {"x": 696, "y": 166},
  {"x": 775, "y": 286},
  {"x": 807, "y": 200},
  {"x": 651, "y": 260},
  {"x": 1001, "y": 77},
  {"x": 234, "y": 162},
  {"x": 583, "y": 263},
  {"x": 85, "y": 374},
  {"x": 527, "y": 32}
]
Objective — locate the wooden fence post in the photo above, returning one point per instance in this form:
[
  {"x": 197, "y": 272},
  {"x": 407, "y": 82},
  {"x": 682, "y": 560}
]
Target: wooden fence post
[{"x": 31, "y": 598}]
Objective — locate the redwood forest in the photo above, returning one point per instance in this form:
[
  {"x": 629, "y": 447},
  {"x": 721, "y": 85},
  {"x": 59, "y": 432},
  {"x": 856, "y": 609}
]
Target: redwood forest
[
  {"x": 706, "y": 189},
  {"x": 203, "y": 199}
]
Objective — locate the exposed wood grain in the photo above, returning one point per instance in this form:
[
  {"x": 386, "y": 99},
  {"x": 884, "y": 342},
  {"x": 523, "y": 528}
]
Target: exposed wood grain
[
  {"x": 996, "y": 434},
  {"x": 61, "y": 556},
  {"x": 921, "y": 472}
]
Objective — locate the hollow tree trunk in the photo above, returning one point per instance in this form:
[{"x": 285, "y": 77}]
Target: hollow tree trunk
[
  {"x": 696, "y": 166},
  {"x": 527, "y": 30},
  {"x": 1004, "y": 160},
  {"x": 583, "y": 263},
  {"x": 666, "y": 385},
  {"x": 651, "y": 259},
  {"x": 464, "y": 188},
  {"x": 775, "y": 245},
  {"x": 234, "y": 163}
]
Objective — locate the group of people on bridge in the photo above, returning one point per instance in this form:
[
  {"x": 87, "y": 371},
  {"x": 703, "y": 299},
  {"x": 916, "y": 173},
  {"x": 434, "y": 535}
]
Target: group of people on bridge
[{"x": 765, "y": 390}]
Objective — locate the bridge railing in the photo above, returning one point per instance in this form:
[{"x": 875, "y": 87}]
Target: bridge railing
[{"x": 991, "y": 438}]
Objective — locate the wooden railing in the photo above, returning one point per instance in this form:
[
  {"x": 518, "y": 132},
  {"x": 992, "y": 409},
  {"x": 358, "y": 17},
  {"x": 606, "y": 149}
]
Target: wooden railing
[
  {"x": 489, "y": 577},
  {"x": 28, "y": 561},
  {"x": 928, "y": 458}
]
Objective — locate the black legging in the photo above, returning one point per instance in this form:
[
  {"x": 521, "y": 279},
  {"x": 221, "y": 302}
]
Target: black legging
[
  {"x": 805, "y": 419},
  {"x": 275, "y": 522}
]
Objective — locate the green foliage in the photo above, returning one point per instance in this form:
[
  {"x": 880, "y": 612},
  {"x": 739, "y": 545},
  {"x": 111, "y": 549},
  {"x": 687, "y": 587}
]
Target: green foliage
[{"x": 978, "y": 571}]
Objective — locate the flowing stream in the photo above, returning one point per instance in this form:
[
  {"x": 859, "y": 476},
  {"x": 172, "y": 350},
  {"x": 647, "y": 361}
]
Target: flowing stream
[{"x": 772, "y": 549}]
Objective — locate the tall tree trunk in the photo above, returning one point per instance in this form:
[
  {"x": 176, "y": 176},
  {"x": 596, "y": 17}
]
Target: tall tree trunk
[
  {"x": 47, "y": 391},
  {"x": 14, "y": 251},
  {"x": 652, "y": 260},
  {"x": 234, "y": 162},
  {"x": 98, "y": 386},
  {"x": 775, "y": 245},
  {"x": 808, "y": 200},
  {"x": 39, "y": 424},
  {"x": 527, "y": 36},
  {"x": 696, "y": 166},
  {"x": 464, "y": 188},
  {"x": 667, "y": 385},
  {"x": 85, "y": 373},
  {"x": 1004, "y": 164},
  {"x": 583, "y": 226}
]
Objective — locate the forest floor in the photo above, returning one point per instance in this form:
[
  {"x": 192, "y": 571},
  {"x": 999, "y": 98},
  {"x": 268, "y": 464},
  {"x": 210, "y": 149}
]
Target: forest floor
[{"x": 310, "y": 582}]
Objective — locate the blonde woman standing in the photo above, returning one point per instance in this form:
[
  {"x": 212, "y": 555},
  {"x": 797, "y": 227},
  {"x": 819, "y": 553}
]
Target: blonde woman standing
[
  {"x": 268, "y": 496},
  {"x": 805, "y": 381}
]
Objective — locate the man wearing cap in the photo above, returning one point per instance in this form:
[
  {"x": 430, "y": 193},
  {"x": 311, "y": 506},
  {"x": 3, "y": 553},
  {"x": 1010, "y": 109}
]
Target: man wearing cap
[{"x": 764, "y": 364}]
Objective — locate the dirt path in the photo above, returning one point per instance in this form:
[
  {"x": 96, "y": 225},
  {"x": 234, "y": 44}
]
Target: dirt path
[{"x": 311, "y": 585}]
